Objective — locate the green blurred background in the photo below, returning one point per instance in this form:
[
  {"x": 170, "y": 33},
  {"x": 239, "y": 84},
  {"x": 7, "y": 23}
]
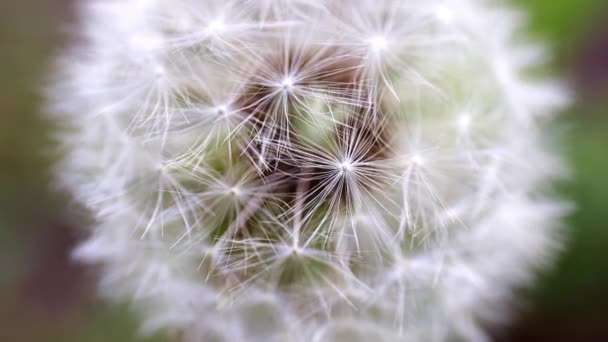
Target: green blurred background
[{"x": 46, "y": 297}]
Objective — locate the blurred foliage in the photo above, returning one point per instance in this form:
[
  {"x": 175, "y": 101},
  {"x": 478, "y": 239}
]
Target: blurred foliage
[
  {"x": 564, "y": 22},
  {"x": 45, "y": 297},
  {"x": 570, "y": 25},
  {"x": 583, "y": 271}
]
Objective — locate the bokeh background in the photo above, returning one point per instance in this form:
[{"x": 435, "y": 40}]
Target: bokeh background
[{"x": 44, "y": 296}]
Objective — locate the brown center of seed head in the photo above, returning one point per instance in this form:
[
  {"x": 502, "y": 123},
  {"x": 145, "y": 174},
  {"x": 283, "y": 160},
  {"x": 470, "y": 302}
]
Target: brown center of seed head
[{"x": 325, "y": 91}]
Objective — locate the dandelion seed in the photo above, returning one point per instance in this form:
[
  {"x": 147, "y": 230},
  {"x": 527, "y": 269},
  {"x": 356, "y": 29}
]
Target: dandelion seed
[
  {"x": 345, "y": 166},
  {"x": 216, "y": 26},
  {"x": 464, "y": 122},
  {"x": 222, "y": 110},
  {"x": 287, "y": 83},
  {"x": 234, "y": 191},
  {"x": 378, "y": 43},
  {"x": 444, "y": 14},
  {"x": 159, "y": 71},
  {"x": 417, "y": 159}
]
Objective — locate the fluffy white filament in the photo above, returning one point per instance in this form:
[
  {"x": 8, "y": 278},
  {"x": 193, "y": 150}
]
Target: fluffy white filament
[{"x": 309, "y": 170}]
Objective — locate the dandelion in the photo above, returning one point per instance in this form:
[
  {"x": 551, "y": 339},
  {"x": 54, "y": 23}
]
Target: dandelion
[{"x": 284, "y": 170}]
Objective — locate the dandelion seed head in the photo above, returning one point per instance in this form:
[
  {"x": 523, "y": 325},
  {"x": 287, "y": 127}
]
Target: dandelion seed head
[{"x": 324, "y": 170}]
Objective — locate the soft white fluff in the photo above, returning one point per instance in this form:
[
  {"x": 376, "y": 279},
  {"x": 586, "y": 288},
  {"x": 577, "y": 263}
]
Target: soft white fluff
[{"x": 285, "y": 170}]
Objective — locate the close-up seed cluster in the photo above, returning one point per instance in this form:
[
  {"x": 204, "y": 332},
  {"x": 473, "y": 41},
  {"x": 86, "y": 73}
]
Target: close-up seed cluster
[{"x": 314, "y": 170}]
